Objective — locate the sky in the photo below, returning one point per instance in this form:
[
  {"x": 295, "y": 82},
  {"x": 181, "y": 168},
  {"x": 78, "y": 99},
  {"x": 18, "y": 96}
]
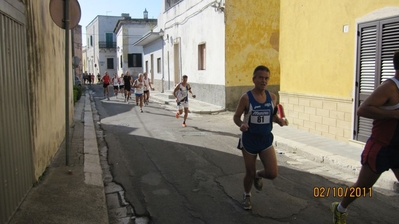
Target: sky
[{"x": 92, "y": 8}]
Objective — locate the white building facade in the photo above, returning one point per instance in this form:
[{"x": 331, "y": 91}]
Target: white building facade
[
  {"x": 129, "y": 56},
  {"x": 193, "y": 45},
  {"x": 101, "y": 45},
  {"x": 152, "y": 43}
]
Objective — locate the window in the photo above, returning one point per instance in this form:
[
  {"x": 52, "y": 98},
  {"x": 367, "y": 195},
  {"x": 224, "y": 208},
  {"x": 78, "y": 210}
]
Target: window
[
  {"x": 134, "y": 60},
  {"x": 121, "y": 62},
  {"x": 201, "y": 57},
  {"x": 170, "y": 3},
  {"x": 91, "y": 40},
  {"x": 377, "y": 42},
  {"x": 109, "y": 39},
  {"x": 159, "y": 65},
  {"x": 110, "y": 63}
]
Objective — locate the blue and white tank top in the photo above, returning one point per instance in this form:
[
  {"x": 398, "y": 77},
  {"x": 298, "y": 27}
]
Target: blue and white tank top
[
  {"x": 259, "y": 116},
  {"x": 182, "y": 93}
]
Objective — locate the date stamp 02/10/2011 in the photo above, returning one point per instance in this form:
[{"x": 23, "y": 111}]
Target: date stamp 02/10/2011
[{"x": 341, "y": 192}]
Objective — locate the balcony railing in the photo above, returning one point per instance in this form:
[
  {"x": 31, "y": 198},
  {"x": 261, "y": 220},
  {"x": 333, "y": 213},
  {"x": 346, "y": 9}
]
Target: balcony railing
[{"x": 104, "y": 44}]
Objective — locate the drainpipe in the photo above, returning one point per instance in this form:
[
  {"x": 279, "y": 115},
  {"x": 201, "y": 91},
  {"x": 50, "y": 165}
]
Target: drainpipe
[
  {"x": 66, "y": 17},
  {"x": 163, "y": 73}
]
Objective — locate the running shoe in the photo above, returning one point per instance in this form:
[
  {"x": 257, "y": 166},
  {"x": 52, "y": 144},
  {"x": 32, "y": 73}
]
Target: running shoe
[
  {"x": 246, "y": 202},
  {"x": 177, "y": 115},
  {"x": 258, "y": 183},
  {"x": 141, "y": 110},
  {"x": 184, "y": 125},
  {"x": 338, "y": 217}
]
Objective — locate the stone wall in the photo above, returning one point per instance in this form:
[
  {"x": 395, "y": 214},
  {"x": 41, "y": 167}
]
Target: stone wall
[{"x": 326, "y": 116}]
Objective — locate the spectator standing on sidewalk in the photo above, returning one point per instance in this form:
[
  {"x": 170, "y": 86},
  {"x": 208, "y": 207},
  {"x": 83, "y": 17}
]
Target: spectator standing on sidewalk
[
  {"x": 147, "y": 88},
  {"x": 139, "y": 86},
  {"x": 181, "y": 93},
  {"x": 106, "y": 80},
  {"x": 381, "y": 151},
  {"x": 259, "y": 108},
  {"x": 127, "y": 80}
]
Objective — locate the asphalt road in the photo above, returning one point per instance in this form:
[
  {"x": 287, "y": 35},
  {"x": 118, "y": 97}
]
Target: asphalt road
[{"x": 173, "y": 174}]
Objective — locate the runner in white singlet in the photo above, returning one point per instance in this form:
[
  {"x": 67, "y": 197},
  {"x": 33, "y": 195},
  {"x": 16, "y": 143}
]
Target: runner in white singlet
[
  {"x": 139, "y": 86},
  {"x": 181, "y": 93},
  {"x": 147, "y": 88},
  {"x": 115, "y": 83}
]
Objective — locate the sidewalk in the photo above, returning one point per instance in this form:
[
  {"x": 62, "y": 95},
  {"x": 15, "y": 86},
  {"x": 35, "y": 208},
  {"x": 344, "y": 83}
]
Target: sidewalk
[
  {"x": 74, "y": 193},
  {"x": 343, "y": 156}
]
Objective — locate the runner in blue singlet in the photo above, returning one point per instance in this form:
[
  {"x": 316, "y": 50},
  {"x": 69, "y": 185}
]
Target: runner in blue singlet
[
  {"x": 259, "y": 119},
  {"x": 257, "y": 105}
]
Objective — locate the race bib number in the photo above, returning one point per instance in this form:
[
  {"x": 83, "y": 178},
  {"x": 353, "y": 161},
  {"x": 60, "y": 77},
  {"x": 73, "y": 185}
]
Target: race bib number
[{"x": 260, "y": 117}]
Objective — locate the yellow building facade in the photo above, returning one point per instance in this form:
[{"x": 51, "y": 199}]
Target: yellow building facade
[
  {"x": 322, "y": 61},
  {"x": 252, "y": 31}
]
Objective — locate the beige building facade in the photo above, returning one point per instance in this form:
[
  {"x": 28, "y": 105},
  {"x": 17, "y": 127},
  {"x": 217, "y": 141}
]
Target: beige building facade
[
  {"x": 46, "y": 74},
  {"x": 32, "y": 79}
]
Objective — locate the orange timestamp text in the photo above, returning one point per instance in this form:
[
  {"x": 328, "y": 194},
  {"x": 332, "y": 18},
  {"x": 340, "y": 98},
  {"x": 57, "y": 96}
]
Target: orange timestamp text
[{"x": 340, "y": 192}]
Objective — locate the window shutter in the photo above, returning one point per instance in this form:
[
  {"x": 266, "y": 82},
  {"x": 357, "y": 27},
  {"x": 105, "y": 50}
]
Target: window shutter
[
  {"x": 130, "y": 60},
  {"x": 367, "y": 69},
  {"x": 377, "y": 41},
  {"x": 389, "y": 44},
  {"x": 368, "y": 58}
]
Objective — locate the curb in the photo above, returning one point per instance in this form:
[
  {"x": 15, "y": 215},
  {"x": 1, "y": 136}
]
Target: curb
[
  {"x": 207, "y": 111},
  {"x": 92, "y": 168},
  {"x": 192, "y": 109}
]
